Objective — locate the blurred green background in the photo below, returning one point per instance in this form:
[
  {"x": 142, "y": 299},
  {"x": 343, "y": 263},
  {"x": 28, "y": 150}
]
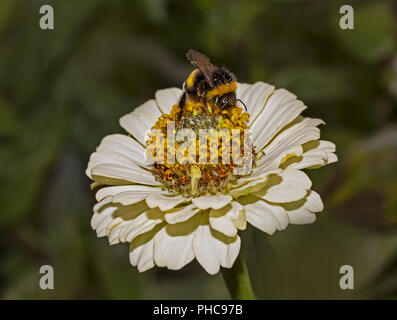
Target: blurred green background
[{"x": 62, "y": 90}]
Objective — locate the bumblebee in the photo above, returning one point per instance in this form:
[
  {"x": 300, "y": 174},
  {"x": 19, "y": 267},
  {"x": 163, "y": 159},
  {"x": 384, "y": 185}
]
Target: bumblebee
[{"x": 208, "y": 85}]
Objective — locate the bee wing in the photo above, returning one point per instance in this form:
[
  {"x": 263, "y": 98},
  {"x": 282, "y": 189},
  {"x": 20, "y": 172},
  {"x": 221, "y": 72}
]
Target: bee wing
[{"x": 203, "y": 63}]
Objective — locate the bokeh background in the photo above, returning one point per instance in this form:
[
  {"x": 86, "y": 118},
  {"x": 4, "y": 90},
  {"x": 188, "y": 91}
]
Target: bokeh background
[{"x": 62, "y": 90}]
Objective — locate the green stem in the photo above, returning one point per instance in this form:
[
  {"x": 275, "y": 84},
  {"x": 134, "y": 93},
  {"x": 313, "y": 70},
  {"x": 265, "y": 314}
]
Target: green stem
[{"x": 237, "y": 280}]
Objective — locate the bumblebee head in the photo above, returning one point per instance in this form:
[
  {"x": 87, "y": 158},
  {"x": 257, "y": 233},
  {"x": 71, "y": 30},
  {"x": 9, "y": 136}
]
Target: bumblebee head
[
  {"x": 223, "y": 91},
  {"x": 226, "y": 101}
]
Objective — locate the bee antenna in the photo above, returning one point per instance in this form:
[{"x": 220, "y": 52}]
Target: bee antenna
[{"x": 243, "y": 104}]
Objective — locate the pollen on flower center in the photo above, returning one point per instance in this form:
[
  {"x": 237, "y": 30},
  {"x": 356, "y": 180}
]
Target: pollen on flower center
[{"x": 207, "y": 145}]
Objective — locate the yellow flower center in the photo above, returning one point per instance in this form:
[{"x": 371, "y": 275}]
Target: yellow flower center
[{"x": 197, "y": 154}]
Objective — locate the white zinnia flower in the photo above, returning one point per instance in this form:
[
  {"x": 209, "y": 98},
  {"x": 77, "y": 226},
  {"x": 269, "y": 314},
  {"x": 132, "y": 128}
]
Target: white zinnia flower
[{"x": 169, "y": 229}]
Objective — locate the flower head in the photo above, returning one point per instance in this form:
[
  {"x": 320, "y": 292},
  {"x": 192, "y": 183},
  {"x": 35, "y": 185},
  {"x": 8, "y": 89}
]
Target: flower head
[{"x": 172, "y": 212}]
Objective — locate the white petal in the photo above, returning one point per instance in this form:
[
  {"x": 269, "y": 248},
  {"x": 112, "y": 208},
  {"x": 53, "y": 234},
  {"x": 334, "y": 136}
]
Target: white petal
[
  {"x": 103, "y": 216},
  {"x": 228, "y": 219},
  {"x": 261, "y": 217},
  {"x": 126, "y": 230},
  {"x": 101, "y": 204},
  {"x": 125, "y": 146},
  {"x": 182, "y": 214},
  {"x": 99, "y": 158},
  {"x": 287, "y": 186},
  {"x": 108, "y": 217},
  {"x": 332, "y": 157},
  {"x": 279, "y": 213},
  {"x": 115, "y": 173},
  {"x": 317, "y": 153},
  {"x": 222, "y": 222},
  {"x": 242, "y": 92},
  {"x": 302, "y": 131},
  {"x": 216, "y": 202},
  {"x": 213, "y": 249},
  {"x": 255, "y": 175},
  {"x": 166, "y": 98},
  {"x": 270, "y": 161},
  {"x": 142, "y": 250},
  {"x": 133, "y": 196},
  {"x": 237, "y": 215},
  {"x": 151, "y": 107},
  {"x": 164, "y": 202},
  {"x": 302, "y": 212},
  {"x": 100, "y": 221},
  {"x": 301, "y": 217},
  {"x": 120, "y": 218},
  {"x": 270, "y": 217},
  {"x": 139, "y": 121},
  {"x": 280, "y": 109},
  {"x": 254, "y": 97},
  {"x": 253, "y": 185},
  {"x": 173, "y": 245},
  {"x": 314, "y": 202},
  {"x": 312, "y": 160},
  {"x": 115, "y": 190},
  {"x": 142, "y": 256},
  {"x": 118, "y": 149}
]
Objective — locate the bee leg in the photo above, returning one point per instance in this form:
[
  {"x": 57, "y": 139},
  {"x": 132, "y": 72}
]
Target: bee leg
[
  {"x": 205, "y": 104},
  {"x": 181, "y": 105}
]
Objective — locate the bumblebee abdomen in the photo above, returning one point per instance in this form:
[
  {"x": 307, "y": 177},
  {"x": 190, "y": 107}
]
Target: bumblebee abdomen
[{"x": 190, "y": 81}]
